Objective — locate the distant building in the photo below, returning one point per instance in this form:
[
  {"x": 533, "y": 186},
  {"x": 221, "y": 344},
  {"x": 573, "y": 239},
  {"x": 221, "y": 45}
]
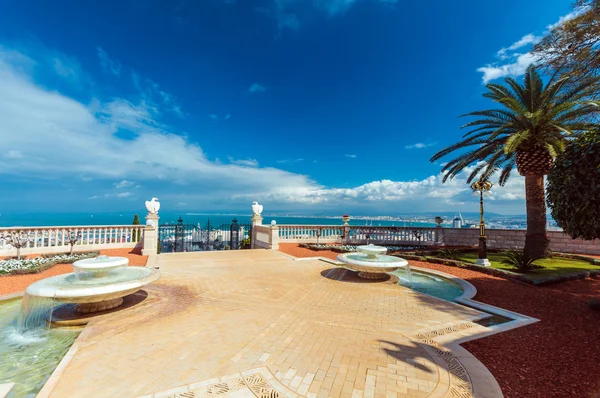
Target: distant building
[{"x": 458, "y": 221}]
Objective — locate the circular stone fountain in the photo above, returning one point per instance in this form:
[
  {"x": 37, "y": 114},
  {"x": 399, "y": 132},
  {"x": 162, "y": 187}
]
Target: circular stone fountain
[
  {"x": 97, "y": 284},
  {"x": 371, "y": 262}
]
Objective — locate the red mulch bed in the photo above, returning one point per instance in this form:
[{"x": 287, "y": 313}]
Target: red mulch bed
[
  {"x": 557, "y": 357},
  {"x": 18, "y": 283}
]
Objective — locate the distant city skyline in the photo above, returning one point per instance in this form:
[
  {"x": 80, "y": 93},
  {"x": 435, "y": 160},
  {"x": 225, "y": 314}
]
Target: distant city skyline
[{"x": 322, "y": 106}]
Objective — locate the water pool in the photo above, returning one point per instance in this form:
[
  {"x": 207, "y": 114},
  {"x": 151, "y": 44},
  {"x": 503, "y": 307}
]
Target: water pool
[
  {"x": 430, "y": 284},
  {"x": 29, "y": 359}
]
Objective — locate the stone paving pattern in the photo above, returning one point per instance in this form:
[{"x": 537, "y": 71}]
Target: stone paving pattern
[{"x": 319, "y": 330}]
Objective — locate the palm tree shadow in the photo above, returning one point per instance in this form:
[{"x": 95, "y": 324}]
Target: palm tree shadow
[{"x": 408, "y": 354}]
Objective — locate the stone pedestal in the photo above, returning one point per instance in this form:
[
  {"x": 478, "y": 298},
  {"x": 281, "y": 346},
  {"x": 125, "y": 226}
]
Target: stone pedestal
[
  {"x": 483, "y": 261},
  {"x": 439, "y": 235},
  {"x": 373, "y": 275},
  {"x": 150, "y": 240},
  {"x": 256, "y": 220},
  {"x": 88, "y": 308},
  {"x": 152, "y": 219},
  {"x": 346, "y": 235},
  {"x": 274, "y": 237}
]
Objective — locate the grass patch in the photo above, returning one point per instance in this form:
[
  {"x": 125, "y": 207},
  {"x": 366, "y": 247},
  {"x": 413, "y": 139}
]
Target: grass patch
[{"x": 556, "y": 266}]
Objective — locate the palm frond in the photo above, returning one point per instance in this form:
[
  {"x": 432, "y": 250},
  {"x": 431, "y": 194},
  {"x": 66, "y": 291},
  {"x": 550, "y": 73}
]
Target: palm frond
[{"x": 530, "y": 115}]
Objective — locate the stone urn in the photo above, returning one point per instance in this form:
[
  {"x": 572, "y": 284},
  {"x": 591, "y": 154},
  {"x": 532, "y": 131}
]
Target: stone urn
[
  {"x": 439, "y": 220},
  {"x": 345, "y": 219}
]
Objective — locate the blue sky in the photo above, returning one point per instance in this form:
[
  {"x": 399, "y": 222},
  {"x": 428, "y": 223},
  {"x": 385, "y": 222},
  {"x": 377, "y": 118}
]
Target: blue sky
[{"x": 333, "y": 105}]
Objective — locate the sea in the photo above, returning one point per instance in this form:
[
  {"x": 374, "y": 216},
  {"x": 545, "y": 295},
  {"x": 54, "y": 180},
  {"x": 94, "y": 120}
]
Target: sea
[{"x": 126, "y": 218}]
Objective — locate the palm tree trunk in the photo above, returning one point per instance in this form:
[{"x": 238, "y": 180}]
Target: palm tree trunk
[{"x": 536, "y": 239}]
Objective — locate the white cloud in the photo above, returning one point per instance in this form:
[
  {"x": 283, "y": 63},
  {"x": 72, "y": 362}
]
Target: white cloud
[
  {"x": 257, "y": 88},
  {"x": 119, "y": 195},
  {"x": 284, "y": 161},
  {"x": 567, "y": 17},
  {"x": 420, "y": 145},
  {"x": 12, "y": 154},
  {"x": 516, "y": 68},
  {"x": 212, "y": 116},
  {"x": 66, "y": 70},
  {"x": 525, "y": 40},
  {"x": 244, "y": 162},
  {"x": 154, "y": 96},
  {"x": 430, "y": 192},
  {"x": 513, "y": 63},
  {"x": 350, "y": 155},
  {"x": 66, "y": 138},
  {"x": 123, "y": 184},
  {"x": 108, "y": 64},
  {"x": 36, "y": 60},
  {"x": 227, "y": 117}
]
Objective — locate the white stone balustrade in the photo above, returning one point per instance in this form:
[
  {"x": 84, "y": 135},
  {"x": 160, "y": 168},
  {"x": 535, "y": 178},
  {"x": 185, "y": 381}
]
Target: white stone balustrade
[
  {"x": 55, "y": 239},
  {"x": 427, "y": 236},
  {"x": 356, "y": 234},
  {"x": 310, "y": 233}
]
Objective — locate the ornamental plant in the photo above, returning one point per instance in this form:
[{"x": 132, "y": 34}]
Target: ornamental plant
[
  {"x": 136, "y": 234},
  {"x": 574, "y": 188},
  {"x": 73, "y": 236},
  {"x": 528, "y": 129},
  {"x": 17, "y": 239}
]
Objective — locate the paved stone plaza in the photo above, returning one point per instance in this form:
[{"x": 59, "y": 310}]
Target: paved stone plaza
[{"x": 258, "y": 323}]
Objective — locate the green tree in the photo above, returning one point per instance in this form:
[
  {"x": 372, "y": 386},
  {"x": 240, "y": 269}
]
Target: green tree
[
  {"x": 137, "y": 233},
  {"x": 573, "y": 47},
  {"x": 574, "y": 188},
  {"x": 528, "y": 130}
]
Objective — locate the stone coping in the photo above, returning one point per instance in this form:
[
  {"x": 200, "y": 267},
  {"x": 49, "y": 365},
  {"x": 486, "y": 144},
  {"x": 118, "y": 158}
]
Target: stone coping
[{"x": 5, "y": 389}]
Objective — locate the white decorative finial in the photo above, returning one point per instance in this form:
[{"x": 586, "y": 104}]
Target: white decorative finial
[
  {"x": 256, "y": 208},
  {"x": 153, "y": 206},
  {"x": 273, "y": 222}
]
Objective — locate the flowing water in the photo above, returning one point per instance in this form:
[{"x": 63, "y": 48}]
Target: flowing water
[{"x": 29, "y": 349}]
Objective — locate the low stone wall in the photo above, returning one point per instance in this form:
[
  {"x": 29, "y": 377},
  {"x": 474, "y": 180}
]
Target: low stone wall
[
  {"x": 515, "y": 238},
  {"x": 265, "y": 237}
]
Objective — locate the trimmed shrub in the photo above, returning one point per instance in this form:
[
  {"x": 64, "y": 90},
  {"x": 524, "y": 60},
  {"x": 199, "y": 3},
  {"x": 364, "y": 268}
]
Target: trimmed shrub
[{"x": 573, "y": 190}]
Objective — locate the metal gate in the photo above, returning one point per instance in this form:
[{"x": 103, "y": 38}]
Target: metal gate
[{"x": 182, "y": 237}]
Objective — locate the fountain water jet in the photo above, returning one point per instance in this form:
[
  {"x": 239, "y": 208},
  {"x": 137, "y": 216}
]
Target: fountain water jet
[{"x": 371, "y": 262}]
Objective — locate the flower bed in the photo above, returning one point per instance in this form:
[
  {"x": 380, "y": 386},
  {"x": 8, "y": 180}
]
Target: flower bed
[
  {"x": 38, "y": 264},
  {"x": 352, "y": 248},
  {"x": 430, "y": 257}
]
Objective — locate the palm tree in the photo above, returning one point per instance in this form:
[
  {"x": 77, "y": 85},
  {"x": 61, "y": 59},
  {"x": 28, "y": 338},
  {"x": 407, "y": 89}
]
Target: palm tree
[{"x": 529, "y": 131}]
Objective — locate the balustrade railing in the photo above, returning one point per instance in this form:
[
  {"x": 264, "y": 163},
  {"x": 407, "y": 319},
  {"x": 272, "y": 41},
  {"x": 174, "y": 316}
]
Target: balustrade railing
[
  {"x": 59, "y": 239},
  {"x": 391, "y": 235},
  {"x": 322, "y": 233},
  {"x": 356, "y": 234}
]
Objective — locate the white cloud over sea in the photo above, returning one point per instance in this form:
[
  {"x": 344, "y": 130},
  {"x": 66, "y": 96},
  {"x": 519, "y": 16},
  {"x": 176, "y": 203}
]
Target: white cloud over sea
[
  {"x": 512, "y": 61},
  {"x": 47, "y": 136}
]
